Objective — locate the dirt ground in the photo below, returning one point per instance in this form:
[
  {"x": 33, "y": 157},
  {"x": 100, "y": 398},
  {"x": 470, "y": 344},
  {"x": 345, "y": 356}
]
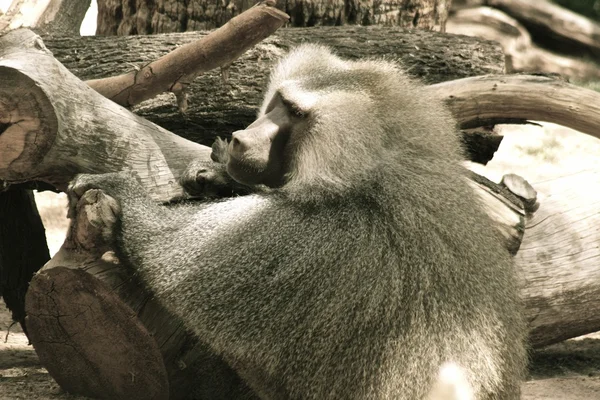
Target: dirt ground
[{"x": 565, "y": 371}]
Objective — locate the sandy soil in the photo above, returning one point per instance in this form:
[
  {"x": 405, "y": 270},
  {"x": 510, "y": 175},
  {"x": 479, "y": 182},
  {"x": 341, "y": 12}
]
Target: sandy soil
[{"x": 566, "y": 371}]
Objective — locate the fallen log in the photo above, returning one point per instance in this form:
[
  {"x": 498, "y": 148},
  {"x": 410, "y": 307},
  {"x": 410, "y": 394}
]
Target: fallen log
[
  {"x": 35, "y": 111},
  {"x": 553, "y": 26},
  {"x": 559, "y": 259},
  {"x": 522, "y": 54},
  {"x": 50, "y": 134}
]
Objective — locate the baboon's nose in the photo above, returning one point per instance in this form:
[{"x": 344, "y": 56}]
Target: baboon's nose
[{"x": 239, "y": 144}]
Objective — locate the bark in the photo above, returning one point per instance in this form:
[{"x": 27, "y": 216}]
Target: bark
[
  {"x": 429, "y": 56},
  {"x": 120, "y": 17},
  {"x": 522, "y": 55},
  {"x": 55, "y": 126},
  {"x": 51, "y": 17},
  {"x": 481, "y": 144}
]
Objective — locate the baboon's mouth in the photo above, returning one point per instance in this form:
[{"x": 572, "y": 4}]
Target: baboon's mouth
[{"x": 247, "y": 165}]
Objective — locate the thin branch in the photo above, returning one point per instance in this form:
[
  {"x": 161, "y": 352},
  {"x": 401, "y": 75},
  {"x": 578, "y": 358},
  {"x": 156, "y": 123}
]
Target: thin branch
[{"x": 174, "y": 71}]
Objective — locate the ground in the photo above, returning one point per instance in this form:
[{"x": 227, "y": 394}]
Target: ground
[{"x": 565, "y": 371}]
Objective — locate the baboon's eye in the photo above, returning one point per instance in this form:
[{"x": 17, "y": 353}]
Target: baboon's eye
[{"x": 293, "y": 108}]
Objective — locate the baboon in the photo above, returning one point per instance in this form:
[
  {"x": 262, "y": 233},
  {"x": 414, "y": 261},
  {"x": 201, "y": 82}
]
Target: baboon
[{"x": 367, "y": 266}]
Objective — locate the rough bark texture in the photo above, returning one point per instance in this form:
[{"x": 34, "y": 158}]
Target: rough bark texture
[
  {"x": 23, "y": 248},
  {"x": 217, "y": 108},
  {"x": 121, "y": 17}
]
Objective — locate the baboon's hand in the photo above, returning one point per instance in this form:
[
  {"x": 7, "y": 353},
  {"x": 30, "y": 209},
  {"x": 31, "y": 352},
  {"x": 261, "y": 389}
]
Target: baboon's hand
[
  {"x": 96, "y": 215},
  {"x": 118, "y": 185},
  {"x": 204, "y": 178},
  {"x": 219, "y": 151}
]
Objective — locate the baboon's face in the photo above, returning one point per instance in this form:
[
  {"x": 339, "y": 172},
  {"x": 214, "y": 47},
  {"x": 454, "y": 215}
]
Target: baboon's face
[{"x": 260, "y": 153}]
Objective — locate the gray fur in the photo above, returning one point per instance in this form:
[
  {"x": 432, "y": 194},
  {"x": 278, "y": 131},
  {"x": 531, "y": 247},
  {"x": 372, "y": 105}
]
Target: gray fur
[{"x": 368, "y": 269}]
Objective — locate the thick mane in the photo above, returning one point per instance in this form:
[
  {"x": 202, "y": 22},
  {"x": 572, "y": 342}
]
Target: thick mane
[{"x": 349, "y": 97}]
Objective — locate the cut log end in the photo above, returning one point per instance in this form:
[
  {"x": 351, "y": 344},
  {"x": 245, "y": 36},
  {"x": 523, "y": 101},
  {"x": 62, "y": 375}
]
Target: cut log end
[
  {"x": 90, "y": 341},
  {"x": 28, "y": 125}
]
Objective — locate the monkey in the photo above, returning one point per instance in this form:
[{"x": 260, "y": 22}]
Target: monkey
[{"x": 367, "y": 268}]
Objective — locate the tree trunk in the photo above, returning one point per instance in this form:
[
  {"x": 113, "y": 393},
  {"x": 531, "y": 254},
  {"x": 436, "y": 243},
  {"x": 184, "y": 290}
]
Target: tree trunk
[
  {"x": 121, "y": 17},
  {"x": 23, "y": 247},
  {"x": 429, "y": 56}
]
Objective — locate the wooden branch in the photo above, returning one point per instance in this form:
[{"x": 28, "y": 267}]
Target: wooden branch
[
  {"x": 485, "y": 100},
  {"x": 522, "y": 55},
  {"x": 545, "y": 19},
  {"x": 51, "y": 17},
  {"x": 174, "y": 71},
  {"x": 78, "y": 324}
]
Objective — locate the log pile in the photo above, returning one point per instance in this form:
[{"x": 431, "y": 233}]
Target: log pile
[{"x": 537, "y": 36}]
